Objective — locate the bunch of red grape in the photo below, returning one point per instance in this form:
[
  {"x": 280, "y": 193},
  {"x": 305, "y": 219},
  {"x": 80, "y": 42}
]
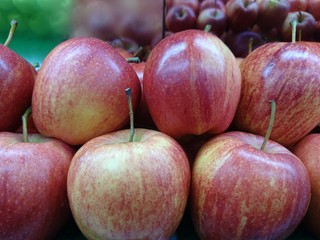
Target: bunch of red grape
[{"x": 238, "y": 22}]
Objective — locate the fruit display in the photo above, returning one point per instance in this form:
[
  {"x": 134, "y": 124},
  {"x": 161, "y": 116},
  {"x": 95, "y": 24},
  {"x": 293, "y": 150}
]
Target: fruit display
[{"x": 168, "y": 119}]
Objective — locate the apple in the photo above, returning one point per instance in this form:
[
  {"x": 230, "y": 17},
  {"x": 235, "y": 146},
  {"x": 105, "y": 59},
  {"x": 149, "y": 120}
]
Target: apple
[
  {"x": 288, "y": 73},
  {"x": 305, "y": 26},
  {"x": 313, "y": 7},
  {"x": 78, "y": 93},
  {"x": 33, "y": 186},
  {"x": 194, "y": 4},
  {"x": 308, "y": 151},
  {"x": 242, "y": 14},
  {"x": 271, "y": 13},
  {"x": 121, "y": 189},
  {"x": 243, "y": 43},
  {"x": 17, "y": 81},
  {"x": 214, "y": 17},
  {"x": 241, "y": 192},
  {"x": 180, "y": 17},
  {"x": 298, "y": 5},
  {"x": 192, "y": 84},
  {"x": 212, "y": 4}
]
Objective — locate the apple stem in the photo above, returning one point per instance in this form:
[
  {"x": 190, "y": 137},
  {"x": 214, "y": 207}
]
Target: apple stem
[
  {"x": 25, "y": 117},
  {"x": 294, "y": 30},
  {"x": 133, "y": 60},
  {"x": 207, "y": 28},
  {"x": 128, "y": 93},
  {"x": 164, "y": 9},
  {"x": 299, "y": 35},
  {"x": 250, "y": 45},
  {"x": 273, "y": 115},
  {"x": 13, "y": 28}
]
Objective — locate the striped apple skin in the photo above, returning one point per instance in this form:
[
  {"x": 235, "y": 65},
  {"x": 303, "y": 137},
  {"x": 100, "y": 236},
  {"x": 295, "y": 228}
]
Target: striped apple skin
[
  {"x": 288, "y": 73},
  {"x": 192, "y": 84},
  {"x": 240, "y": 192}
]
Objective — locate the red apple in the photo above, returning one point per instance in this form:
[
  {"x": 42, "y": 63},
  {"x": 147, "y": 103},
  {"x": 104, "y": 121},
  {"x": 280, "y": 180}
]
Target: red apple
[
  {"x": 241, "y": 14},
  {"x": 194, "y": 4},
  {"x": 17, "y": 78},
  {"x": 180, "y": 17},
  {"x": 305, "y": 23},
  {"x": 78, "y": 92},
  {"x": 241, "y": 192},
  {"x": 314, "y": 8},
  {"x": 212, "y": 4},
  {"x": 316, "y": 33},
  {"x": 272, "y": 13},
  {"x": 242, "y": 43},
  {"x": 298, "y": 5},
  {"x": 192, "y": 84},
  {"x": 308, "y": 151},
  {"x": 214, "y": 17},
  {"x": 289, "y": 74},
  {"x": 33, "y": 186},
  {"x": 129, "y": 190}
]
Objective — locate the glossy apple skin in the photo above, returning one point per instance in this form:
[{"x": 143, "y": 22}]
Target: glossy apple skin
[
  {"x": 17, "y": 80},
  {"x": 289, "y": 74},
  {"x": 192, "y": 84},
  {"x": 122, "y": 190},
  {"x": 308, "y": 151},
  {"x": 241, "y": 192},
  {"x": 33, "y": 192},
  {"x": 80, "y": 91}
]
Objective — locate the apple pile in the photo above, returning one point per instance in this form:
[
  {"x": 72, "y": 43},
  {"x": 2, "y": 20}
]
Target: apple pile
[
  {"x": 235, "y": 22},
  {"x": 233, "y": 146}
]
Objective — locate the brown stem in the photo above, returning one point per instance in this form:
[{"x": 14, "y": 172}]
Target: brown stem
[
  {"x": 164, "y": 9},
  {"x": 25, "y": 117},
  {"x": 13, "y": 28},
  {"x": 250, "y": 45},
  {"x": 128, "y": 93},
  {"x": 273, "y": 115}
]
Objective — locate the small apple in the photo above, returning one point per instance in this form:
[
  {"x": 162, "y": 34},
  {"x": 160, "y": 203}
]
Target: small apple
[
  {"x": 305, "y": 26},
  {"x": 212, "y": 4},
  {"x": 214, "y": 17},
  {"x": 243, "y": 43},
  {"x": 33, "y": 186},
  {"x": 241, "y": 14},
  {"x": 129, "y": 184},
  {"x": 191, "y": 84},
  {"x": 308, "y": 151},
  {"x": 241, "y": 192},
  {"x": 78, "y": 93},
  {"x": 194, "y": 4},
  {"x": 180, "y": 17},
  {"x": 272, "y": 13}
]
